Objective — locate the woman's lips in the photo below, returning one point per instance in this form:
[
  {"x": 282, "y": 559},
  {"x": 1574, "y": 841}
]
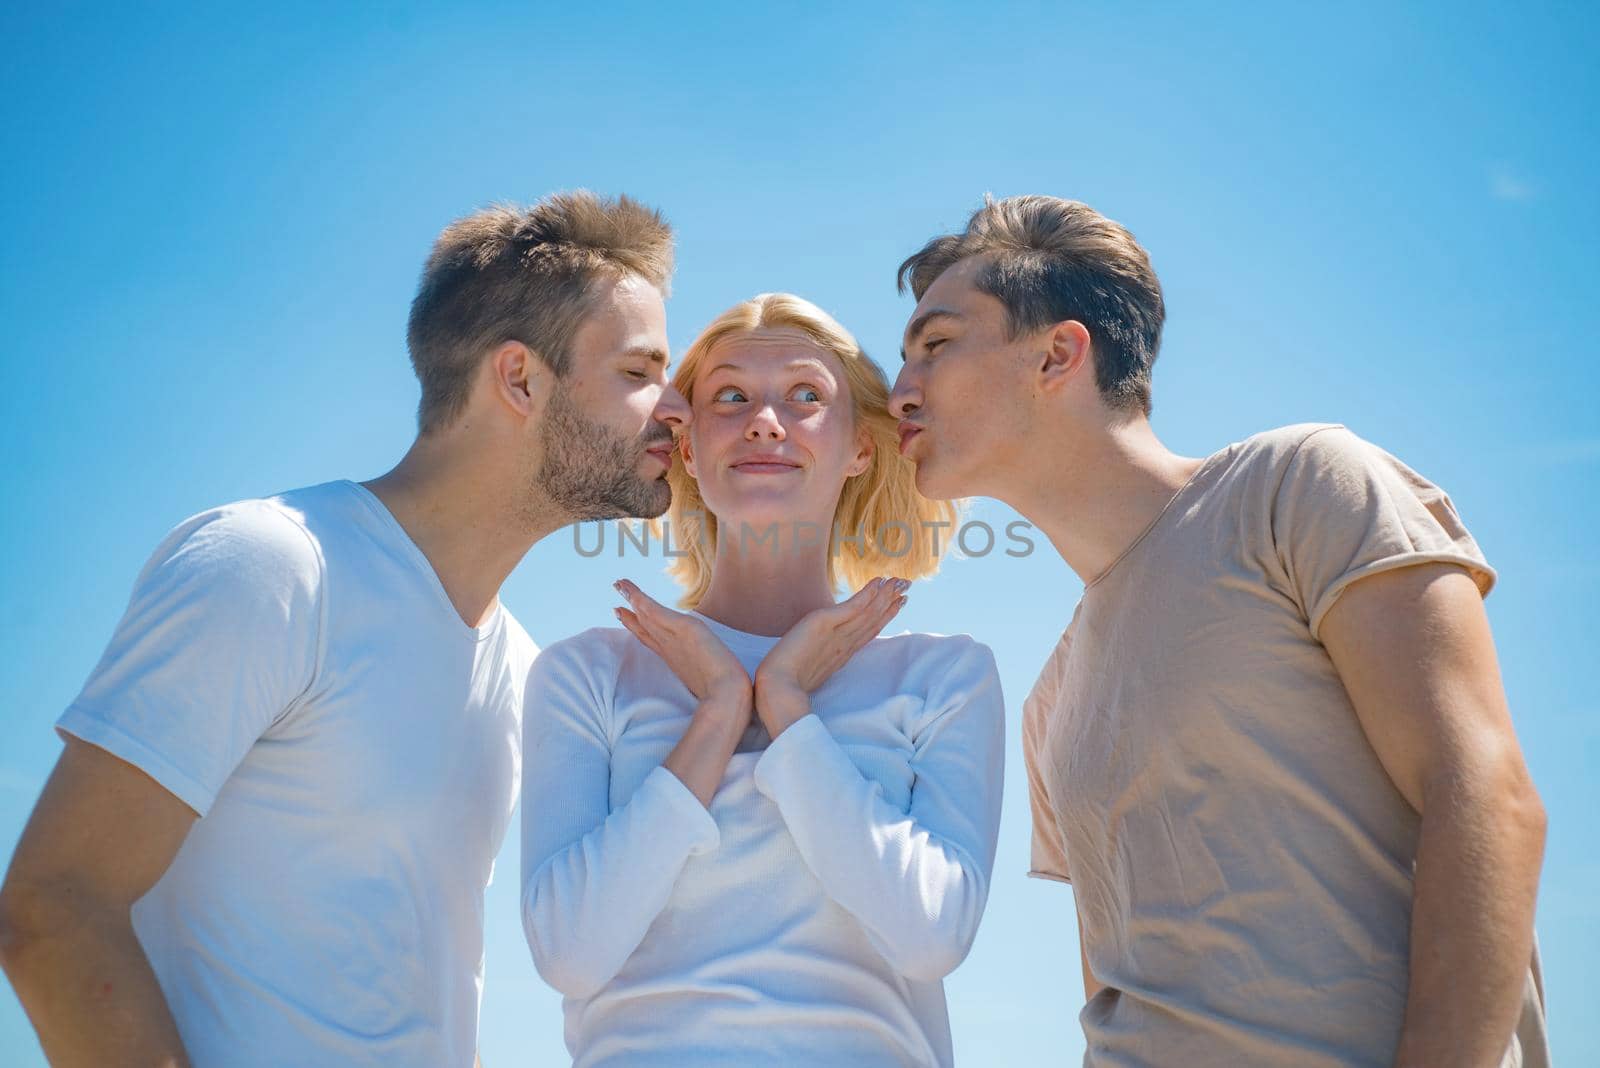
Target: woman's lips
[
  {"x": 765, "y": 465},
  {"x": 765, "y": 469}
]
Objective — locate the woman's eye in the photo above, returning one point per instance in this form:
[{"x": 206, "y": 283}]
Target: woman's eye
[
  {"x": 727, "y": 393},
  {"x": 807, "y": 395}
]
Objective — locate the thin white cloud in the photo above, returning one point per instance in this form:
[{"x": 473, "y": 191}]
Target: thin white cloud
[{"x": 1508, "y": 184}]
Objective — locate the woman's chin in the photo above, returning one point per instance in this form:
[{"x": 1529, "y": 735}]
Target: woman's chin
[{"x": 760, "y": 517}]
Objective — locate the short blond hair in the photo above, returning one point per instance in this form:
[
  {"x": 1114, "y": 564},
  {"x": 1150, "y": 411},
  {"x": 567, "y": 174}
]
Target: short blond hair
[
  {"x": 1049, "y": 260},
  {"x": 508, "y": 273},
  {"x": 882, "y": 498}
]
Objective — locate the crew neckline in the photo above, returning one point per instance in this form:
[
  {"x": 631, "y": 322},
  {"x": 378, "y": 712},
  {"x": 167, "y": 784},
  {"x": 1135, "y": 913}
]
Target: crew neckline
[
  {"x": 738, "y": 640},
  {"x": 1166, "y": 509},
  {"x": 420, "y": 559}
]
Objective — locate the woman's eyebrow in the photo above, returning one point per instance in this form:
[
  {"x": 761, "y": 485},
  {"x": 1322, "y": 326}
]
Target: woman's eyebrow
[{"x": 806, "y": 363}]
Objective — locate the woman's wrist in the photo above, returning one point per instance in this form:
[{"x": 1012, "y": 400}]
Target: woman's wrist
[
  {"x": 780, "y": 703},
  {"x": 732, "y": 701}
]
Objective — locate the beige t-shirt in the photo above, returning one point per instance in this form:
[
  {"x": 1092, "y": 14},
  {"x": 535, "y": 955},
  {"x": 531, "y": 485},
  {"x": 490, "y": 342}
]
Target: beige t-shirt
[{"x": 1241, "y": 861}]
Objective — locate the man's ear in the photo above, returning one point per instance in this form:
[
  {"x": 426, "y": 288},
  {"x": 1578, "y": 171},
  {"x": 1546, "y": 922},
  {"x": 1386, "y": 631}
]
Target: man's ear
[
  {"x": 518, "y": 378},
  {"x": 1068, "y": 352}
]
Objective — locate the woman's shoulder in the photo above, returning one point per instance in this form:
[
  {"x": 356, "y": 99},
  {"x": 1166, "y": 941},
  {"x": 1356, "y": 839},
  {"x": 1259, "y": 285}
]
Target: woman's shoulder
[
  {"x": 602, "y": 647},
  {"x": 924, "y": 650},
  {"x": 931, "y": 643},
  {"x": 947, "y": 671}
]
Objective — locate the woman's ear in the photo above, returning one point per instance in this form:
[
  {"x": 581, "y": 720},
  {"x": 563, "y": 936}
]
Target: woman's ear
[
  {"x": 863, "y": 458},
  {"x": 688, "y": 456}
]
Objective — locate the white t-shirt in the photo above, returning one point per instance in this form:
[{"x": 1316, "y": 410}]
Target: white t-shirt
[
  {"x": 810, "y": 916},
  {"x": 293, "y": 671}
]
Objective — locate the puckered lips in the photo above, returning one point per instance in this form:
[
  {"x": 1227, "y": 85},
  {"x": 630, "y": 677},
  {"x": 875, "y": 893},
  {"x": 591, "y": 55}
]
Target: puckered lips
[
  {"x": 908, "y": 432},
  {"x": 662, "y": 451},
  {"x": 765, "y": 463}
]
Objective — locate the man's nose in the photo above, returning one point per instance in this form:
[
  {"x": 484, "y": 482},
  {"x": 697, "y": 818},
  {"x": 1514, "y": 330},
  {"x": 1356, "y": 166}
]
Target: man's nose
[
  {"x": 905, "y": 398},
  {"x": 672, "y": 409}
]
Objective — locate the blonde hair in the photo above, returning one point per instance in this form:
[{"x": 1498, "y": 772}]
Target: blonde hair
[
  {"x": 880, "y": 515},
  {"x": 509, "y": 273}
]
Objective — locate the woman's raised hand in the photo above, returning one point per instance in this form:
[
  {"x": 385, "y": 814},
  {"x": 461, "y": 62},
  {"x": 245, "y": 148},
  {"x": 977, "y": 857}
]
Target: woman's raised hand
[
  {"x": 702, "y": 663},
  {"x": 819, "y": 645}
]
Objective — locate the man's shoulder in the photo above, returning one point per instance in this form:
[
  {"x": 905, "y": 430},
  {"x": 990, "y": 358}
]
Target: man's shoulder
[
  {"x": 247, "y": 536},
  {"x": 1279, "y": 446},
  {"x": 271, "y": 542},
  {"x": 1256, "y": 469},
  {"x": 327, "y": 510}
]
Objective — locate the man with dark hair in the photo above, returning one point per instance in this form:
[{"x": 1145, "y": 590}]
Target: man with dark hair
[
  {"x": 1271, "y": 752},
  {"x": 285, "y": 783}
]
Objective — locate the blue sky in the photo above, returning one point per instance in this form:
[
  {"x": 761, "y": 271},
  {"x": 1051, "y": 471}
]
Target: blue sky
[{"x": 214, "y": 222}]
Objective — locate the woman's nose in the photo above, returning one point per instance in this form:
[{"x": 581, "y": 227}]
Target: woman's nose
[{"x": 764, "y": 423}]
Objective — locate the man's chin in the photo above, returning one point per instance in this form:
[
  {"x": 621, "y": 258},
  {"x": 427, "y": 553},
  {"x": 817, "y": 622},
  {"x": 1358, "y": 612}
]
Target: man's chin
[
  {"x": 934, "y": 487},
  {"x": 652, "y": 501},
  {"x": 657, "y": 510},
  {"x": 647, "y": 500}
]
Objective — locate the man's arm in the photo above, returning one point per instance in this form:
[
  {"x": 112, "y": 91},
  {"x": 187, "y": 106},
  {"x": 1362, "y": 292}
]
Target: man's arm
[
  {"x": 100, "y": 836},
  {"x": 1415, "y": 653}
]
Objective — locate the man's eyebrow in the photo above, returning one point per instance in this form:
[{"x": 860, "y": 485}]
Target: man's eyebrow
[
  {"x": 920, "y": 322},
  {"x": 645, "y": 352}
]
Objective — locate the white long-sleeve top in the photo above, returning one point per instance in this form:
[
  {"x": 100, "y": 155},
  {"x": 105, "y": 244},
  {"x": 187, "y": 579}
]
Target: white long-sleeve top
[{"x": 810, "y": 916}]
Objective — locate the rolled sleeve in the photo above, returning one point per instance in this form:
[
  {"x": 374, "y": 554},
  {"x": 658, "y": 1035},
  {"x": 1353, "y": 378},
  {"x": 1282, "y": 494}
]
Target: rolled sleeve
[{"x": 1346, "y": 510}]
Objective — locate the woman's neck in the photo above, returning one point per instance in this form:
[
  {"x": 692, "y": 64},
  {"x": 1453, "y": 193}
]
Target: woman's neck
[{"x": 765, "y": 586}]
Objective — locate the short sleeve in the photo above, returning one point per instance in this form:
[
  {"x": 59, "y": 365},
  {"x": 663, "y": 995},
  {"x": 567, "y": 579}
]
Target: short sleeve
[
  {"x": 1048, "y": 856},
  {"x": 220, "y": 638},
  {"x": 1345, "y": 510}
]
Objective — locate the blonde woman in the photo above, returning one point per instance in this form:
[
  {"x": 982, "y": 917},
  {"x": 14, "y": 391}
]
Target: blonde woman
[{"x": 756, "y": 832}]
